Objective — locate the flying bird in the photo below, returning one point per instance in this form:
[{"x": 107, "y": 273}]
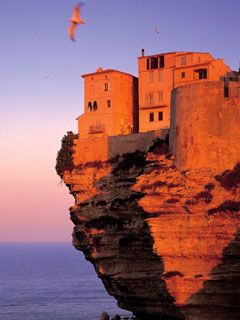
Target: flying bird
[
  {"x": 75, "y": 20},
  {"x": 157, "y": 30}
]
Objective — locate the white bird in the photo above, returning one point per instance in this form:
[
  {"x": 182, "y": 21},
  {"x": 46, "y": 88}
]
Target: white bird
[
  {"x": 157, "y": 30},
  {"x": 75, "y": 20}
]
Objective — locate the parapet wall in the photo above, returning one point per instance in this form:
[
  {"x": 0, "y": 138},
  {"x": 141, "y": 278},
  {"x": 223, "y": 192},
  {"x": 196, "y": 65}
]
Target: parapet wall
[
  {"x": 205, "y": 125},
  {"x": 95, "y": 148}
]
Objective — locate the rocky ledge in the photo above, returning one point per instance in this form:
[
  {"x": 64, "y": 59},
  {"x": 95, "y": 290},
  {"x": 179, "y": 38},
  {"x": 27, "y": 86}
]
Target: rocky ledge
[{"x": 164, "y": 242}]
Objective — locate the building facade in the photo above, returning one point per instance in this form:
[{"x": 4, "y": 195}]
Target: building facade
[
  {"x": 160, "y": 74},
  {"x": 110, "y": 104},
  {"x": 205, "y": 128}
]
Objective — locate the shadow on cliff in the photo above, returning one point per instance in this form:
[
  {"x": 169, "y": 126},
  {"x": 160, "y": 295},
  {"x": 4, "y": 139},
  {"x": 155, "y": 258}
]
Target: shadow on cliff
[
  {"x": 220, "y": 296},
  {"x": 115, "y": 237}
]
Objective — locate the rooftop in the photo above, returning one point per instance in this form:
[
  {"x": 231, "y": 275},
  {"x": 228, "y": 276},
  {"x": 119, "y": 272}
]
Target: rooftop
[{"x": 101, "y": 71}]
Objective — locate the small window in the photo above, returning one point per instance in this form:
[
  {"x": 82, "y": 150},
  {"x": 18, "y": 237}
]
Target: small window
[
  {"x": 105, "y": 86},
  {"x": 90, "y": 106},
  {"x": 160, "y": 116},
  {"x": 149, "y": 99},
  {"x": 151, "y": 76},
  {"x": 151, "y": 117},
  {"x": 147, "y": 64},
  {"x": 160, "y": 75},
  {"x": 226, "y": 92},
  {"x": 183, "y": 74},
  {"x": 161, "y": 61},
  {"x": 154, "y": 63},
  {"x": 94, "y": 105},
  {"x": 183, "y": 60},
  {"x": 160, "y": 96},
  {"x": 109, "y": 103},
  {"x": 203, "y": 74}
]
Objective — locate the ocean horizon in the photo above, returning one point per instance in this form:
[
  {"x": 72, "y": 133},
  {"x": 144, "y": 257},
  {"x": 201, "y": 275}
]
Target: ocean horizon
[{"x": 50, "y": 281}]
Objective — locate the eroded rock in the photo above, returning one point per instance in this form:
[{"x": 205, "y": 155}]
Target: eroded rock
[{"x": 147, "y": 230}]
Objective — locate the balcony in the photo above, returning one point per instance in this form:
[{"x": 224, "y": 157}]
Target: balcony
[{"x": 98, "y": 128}]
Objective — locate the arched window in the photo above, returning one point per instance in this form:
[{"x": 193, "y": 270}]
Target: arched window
[
  {"x": 94, "y": 105},
  {"x": 90, "y": 106}
]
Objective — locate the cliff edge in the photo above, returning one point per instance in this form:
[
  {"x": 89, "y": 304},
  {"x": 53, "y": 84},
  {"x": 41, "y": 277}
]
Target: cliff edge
[{"x": 165, "y": 242}]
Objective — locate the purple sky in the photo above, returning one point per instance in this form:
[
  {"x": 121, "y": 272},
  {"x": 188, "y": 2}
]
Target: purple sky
[{"x": 42, "y": 91}]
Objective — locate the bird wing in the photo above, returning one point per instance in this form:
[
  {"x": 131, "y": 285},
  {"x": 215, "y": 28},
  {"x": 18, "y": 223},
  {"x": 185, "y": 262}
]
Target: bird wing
[
  {"x": 71, "y": 31},
  {"x": 76, "y": 13}
]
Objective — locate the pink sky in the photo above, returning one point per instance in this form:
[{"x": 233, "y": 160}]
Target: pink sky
[
  {"x": 33, "y": 205},
  {"x": 42, "y": 91}
]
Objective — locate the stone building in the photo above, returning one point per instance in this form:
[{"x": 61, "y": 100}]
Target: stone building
[
  {"x": 110, "y": 104},
  {"x": 205, "y": 132},
  {"x": 161, "y": 73}
]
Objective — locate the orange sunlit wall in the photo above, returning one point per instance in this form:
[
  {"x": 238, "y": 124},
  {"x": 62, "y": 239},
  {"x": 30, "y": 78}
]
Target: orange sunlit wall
[
  {"x": 110, "y": 104},
  {"x": 160, "y": 74}
]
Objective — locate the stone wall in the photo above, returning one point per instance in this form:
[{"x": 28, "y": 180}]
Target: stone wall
[
  {"x": 94, "y": 148},
  {"x": 205, "y": 125}
]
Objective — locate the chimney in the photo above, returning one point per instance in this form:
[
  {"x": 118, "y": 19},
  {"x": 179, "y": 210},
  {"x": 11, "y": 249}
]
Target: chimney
[{"x": 143, "y": 52}]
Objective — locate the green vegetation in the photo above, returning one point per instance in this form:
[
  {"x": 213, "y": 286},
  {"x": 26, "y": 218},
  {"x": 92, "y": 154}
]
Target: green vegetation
[
  {"x": 129, "y": 160},
  {"x": 64, "y": 157},
  {"x": 160, "y": 146},
  {"x": 227, "y": 206},
  {"x": 230, "y": 179}
]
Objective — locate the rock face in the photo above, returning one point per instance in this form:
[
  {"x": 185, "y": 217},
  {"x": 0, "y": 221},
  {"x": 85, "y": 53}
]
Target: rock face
[{"x": 165, "y": 242}]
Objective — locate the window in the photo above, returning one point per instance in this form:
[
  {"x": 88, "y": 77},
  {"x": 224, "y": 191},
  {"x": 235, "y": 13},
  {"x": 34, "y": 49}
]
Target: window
[
  {"x": 160, "y": 75},
  {"x": 94, "y": 105},
  {"x": 147, "y": 64},
  {"x": 149, "y": 99},
  {"x": 161, "y": 61},
  {"x": 160, "y": 96},
  {"x": 105, "y": 86},
  {"x": 109, "y": 103},
  {"x": 151, "y": 117},
  {"x": 154, "y": 63},
  {"x": 183, "y": 75},
  {"x": 183, "y": 60},
  {"x": 226, "y": 92},
  {"x": 160, "y": 116},
  {"x": 90, "y": 106},
  {"x": 202, "y": 74},
  {"x": 151, "y": 76}
]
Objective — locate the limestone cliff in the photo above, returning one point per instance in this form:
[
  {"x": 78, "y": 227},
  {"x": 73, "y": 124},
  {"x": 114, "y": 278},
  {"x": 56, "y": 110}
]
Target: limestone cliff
[{"x": 164, "y": 242}]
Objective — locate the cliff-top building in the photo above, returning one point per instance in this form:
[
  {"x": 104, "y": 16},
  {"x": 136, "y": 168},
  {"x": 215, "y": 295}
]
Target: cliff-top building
[
  {"x": 161, "y": 73},
  {"x": 117, "y": 103},
  {"x": 110, "y": 104}
]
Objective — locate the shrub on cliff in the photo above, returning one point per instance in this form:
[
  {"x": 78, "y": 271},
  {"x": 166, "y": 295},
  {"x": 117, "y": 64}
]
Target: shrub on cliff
[
  {"x": 64, "y": 157},
  {"x": 227, "y": 206},
  {"x": 230, "y": 179},
  {"x": 128, "y": 160},
  {"x": 159, "y": 146}
]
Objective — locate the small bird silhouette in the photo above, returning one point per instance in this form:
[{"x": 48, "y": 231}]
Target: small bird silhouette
[
  {"x": 157, "y": 30},
  {"x": 75, "y": 20}
]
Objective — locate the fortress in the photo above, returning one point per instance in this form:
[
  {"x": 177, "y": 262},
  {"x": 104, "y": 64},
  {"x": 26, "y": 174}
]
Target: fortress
[{"x": 191, "y": 94}]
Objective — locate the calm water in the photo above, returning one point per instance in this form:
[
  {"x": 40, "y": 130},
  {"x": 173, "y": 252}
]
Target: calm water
[{"x": 50, "y": 281}]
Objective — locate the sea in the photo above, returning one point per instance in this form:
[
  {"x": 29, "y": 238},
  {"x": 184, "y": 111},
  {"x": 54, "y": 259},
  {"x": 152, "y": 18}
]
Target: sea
[{"x": 50, "y": 281}]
